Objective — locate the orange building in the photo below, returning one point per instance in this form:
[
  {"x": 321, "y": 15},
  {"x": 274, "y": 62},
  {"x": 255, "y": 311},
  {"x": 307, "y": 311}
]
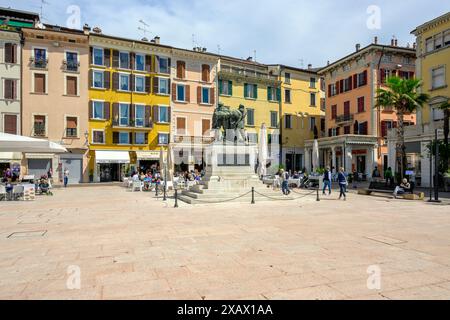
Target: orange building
[{"x": 356, "y": 130}]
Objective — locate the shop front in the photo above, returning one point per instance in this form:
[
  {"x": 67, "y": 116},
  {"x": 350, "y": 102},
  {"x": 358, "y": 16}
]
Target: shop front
[
  {"x": 111, "y": 166},
  {"x": 148, "y": 161},
  {"x": 10, "y": 160}
]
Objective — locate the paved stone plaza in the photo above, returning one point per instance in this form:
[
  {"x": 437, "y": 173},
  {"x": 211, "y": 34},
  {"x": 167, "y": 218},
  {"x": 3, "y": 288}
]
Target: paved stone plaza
[{"x": 133, "y": 246}]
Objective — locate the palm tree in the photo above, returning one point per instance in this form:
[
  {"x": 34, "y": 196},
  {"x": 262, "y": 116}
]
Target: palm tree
[
  {"x": 446, "y": 108},
  {"x": 401, "y": 94}
]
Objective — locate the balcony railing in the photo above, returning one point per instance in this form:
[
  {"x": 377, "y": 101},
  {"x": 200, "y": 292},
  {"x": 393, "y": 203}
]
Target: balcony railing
[
  {"x": 193, "y": 139},
  {"x": 71, "y": 66},
  {"x": 39, "y": 129},
  {"x": 39, "y": 63},
  {"x": 71, "y": 132},
  {"x": 344, "y": 118},
  {"x": 132, "y": 124},
  {"x": 247, "y": 73}
]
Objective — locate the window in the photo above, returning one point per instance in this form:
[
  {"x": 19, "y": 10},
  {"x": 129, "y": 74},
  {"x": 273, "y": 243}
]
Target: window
[
  {"x": 139, "y": 138},
  {"x": 98, "y": 110},
  {"x": 124, "y": 82},
  {"x": 363, "y": 128},
  {"x": 347, "y": 86},
  {"x": 124, "y": 114},
  {"x": 98, "y": 136},
  {"x": 206, "y": 70},
  {"x": 97, "y": 56},
  {"x": 287, "y": 96},
  {"x": 139, "y": 62},
  {"x": 250, "y": 117},
  {"x": 124, "y": 138},
  {"x": 287, "y": 77},
  {"x": 429, "y": 44},
  {"x": 71, "y": 127},
  {"x": 180, "y": 92},
  {"x": 163, "y": 114},
  {"x": 163, "y": 87},
  {"x": 39, "y": 126},
  {"x": 387, "y": 58},
  {"x": 273, "y": 94},
  {"x": 312, "y": 82},
  {"x": 163, "y": 65},
  {"x": 40, "y": 58},
  {"x": 10, "y": 53},
  {"x": 347, "y": 130},
  {"x": 181, "y": 126},
  {"x": 347, "y": 109},
  {"x": 438, "y": 77},
  {"x": 98, "y": 79},
  {"x": 71, "y": 61},
  {"x": 313, "y": 99},
  {"x": 362, "y": 79},
  {"x": 312, "y": 123},
  {"x": 438, "y": 41},
  {"x": 250, "y": 91},
  {"x": 205, "y": 95},
  {"x": 334, "y": 112},
  {"x": 40, "y": 83},
  {"x": 226, "y": 87},
  {"x": 333, "y": 89},
  {"x": 181, "y": 69},
  {"x": 361, "y": 104},
  {"x": 274, "y": 119},
  {"x": 139, "y": 115},
  {"x": 288, "y": 121},
  {"x": 10, "y": 89},
  {"x": 10, "y": 123},
  {"x": 72, "y": 86},
  {"x": 447, "y": 38},
  {"x": 438, "y": 114},
  {"x": 139, "y": 83},
  {"x": 124, "y": 60},
  {"x": 163, "y": 138},
  {"x": 206, "y": 127}
]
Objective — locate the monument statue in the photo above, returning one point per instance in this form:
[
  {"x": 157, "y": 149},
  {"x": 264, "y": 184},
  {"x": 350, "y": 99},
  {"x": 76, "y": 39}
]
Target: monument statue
[{"x": 230, "y": 121}]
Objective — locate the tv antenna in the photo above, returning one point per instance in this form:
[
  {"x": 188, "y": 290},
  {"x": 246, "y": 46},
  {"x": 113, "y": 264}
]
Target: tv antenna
[
  {"x": 301, "y": 62},
  {"x": 145, "y": 27},
  {"x": 41, "y": 10},
  {"x": 194, "y": 41},
  {"x": 218, "y": 49}
]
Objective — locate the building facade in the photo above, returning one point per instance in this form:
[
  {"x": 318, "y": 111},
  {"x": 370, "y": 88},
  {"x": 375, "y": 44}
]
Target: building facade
[
  {"x": 129, "y": 105},
  {"x": 433, "y": 67},
  {"x": 351, "y": 111},
  {"x": 54, "y": 99},
  {"x": 252, "y": 84},
  {"x": 194, "y": 98},
  {"x": 299, "y": 95}
]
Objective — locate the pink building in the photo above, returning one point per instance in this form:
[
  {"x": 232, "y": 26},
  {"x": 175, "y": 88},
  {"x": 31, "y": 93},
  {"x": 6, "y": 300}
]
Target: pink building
[
  {"x": 194, "y": 97},
  {"x": 55, "y": 99}
]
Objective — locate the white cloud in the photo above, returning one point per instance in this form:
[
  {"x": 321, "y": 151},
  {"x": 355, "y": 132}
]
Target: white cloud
[{"x": 280, "y": 31}]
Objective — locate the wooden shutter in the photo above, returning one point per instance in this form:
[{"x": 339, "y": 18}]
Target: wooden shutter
[
  {"x": 337, "y": 87},
  {"x": 329, "y": 90},
  {"x": 382, "y": 75},
  {"x": 199, "y": 95},
  {"x": 71, "y": 86},
  {"x": 115, "y": 137},
  {"x": 212, "y": 96},
  {"x": 91, "y": 109},
  {"x": 115, "y": 110},
  {"x": 148, "y": 63},
  {"x": 169, "y": 86},
  {"x": 39, "y": 83},
  {"x": 341, "y": 85},
  {"x": 347, "y": 108},
  {"x": 132, "y": 60},
  {"x": 91, "y": 79},
  {"x": 181, "y": 126},
  {"x": 187, "y": 93},
  {"x": 206, "y": 126},
  {"x": 411, "y": 75},
  {"x": 132, "y": 114},
  {"x": 245, "y": 90},
  {"x": 205, "y": 72},
  {"x": 132, "y": 82},
  {"x": 10, "y": 121},
  {"x": 8, "y": 90},
  {"x": 130, "y": 138},
  {"x": 106, "y": 110},
  {"x": 116, "y": 81},
  {"x": 106, "y": 80},
  {"x": 230, "y": 87},
  {"x": 148, "y": 115},
  {"x": 383, "y": 129},
  {"x": 181, "y": 69},
  {"x": 220, "y": 86},
  {"x": 347, "y": 130},
  {"x": 115, "y": 59},
  {"x": 107, "y": 58},
  {"x": 355, "y": 81},
  {"x": 8, "y": 53},
  {"x": 148, "y": 84},
  {"x": 91, "y": 54},
  {"x": 146, "y": 138},
  {"x": 338, "y": 131},
  {"x": 365, "y": 77},
  {"x": 155, "y": 114},
  {"x": 155, "y": 85},
  {"x": 350, "y": 83},
  {"x": 174, "y": 92},
  {"x": 169, "y": 114}
]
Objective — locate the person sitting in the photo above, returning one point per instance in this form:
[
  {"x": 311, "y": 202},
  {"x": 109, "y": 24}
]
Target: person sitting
[
  {"x": 135, "y": 176},
  {"x": 404, "y": 187}
]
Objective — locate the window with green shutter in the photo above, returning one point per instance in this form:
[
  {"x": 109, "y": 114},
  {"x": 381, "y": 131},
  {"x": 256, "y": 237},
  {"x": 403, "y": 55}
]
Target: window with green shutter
[
  {"x": 246, "y": 90},
  {"x": 269, "y": 94},
  {"x": 230, "y": 87}
]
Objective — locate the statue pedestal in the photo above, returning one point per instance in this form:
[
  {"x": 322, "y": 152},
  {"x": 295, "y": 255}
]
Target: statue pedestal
[{"x": 230, "y": 173}]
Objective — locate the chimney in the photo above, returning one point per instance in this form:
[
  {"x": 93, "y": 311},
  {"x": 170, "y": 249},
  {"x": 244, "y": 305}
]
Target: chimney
[
  {"x": 414, "y": 45},
  {"x": 375, "y": 40},
  {"x": 250, "y": 59},
  {"x": 328, "y": 62},
  {"x": 357, "y": 46},
  {"x": 144, "y": 39},
  {"x": 203, "y": 49},
  {"x": 309, "y": 66},
  {"x": 97, "y": 30},
  {"x": 392, "y": 42},
  {"x": 157, "y": 39},
  {"x": 86, "y": 29},
  {"x": 396, "y": 42}
]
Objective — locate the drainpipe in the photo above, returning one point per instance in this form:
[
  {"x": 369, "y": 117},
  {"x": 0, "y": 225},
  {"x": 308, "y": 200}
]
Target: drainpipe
[
  {"x": 22, "y": 43},
  {"x": 280, "y": 108}
]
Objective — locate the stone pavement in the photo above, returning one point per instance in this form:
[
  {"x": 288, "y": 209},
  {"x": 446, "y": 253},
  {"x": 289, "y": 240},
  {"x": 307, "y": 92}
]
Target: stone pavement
[{"x": 133, "y": 246}]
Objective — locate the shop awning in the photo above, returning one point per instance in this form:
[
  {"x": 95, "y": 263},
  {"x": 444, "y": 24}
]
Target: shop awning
[
  {"x": 147, "y": 155},
  {"x": 16, "y": 143},
  {"x": 103, "y": 156},
  {"x": 10, "y": 156}
]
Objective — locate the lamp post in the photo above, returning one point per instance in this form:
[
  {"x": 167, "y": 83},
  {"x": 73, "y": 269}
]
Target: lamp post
[
  {"x": 165, "y": 181},
  {"x": 436, "y": 168}
]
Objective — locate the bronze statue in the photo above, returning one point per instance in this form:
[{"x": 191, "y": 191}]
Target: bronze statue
[{"x": 227, "y": 119}]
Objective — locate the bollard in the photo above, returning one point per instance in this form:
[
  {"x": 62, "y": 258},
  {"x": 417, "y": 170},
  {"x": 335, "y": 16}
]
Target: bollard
[
  {"x": 176, "y": 198},
  {"x": 156, "y": 189},
  {"x": 165, "y": 195},
  {"x": 253, "y": 195},
  {"x": 317, "y": 199}
]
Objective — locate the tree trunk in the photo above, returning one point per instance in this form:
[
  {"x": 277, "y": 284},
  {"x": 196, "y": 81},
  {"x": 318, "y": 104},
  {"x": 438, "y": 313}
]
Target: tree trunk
[
  {"x": 446, "y": 134},
  {"x": 401, "y": 143}
]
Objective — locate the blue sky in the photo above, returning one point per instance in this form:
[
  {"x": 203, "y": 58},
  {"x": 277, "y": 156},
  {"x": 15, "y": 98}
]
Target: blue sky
[{"x": 292, "y": 32}]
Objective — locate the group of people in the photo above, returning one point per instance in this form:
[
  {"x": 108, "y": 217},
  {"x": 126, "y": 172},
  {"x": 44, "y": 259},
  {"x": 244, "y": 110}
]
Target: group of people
[
  {"x": 193, "y": 175},
  {"x": 341, "y": 179}
]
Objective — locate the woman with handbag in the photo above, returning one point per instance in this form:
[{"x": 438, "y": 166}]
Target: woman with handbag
[{"x": 342, "y": 179}]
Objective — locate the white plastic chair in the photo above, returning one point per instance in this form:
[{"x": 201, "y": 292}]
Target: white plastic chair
[
  {"x": 137, "y": 185},
  {"x": 3, "y": 194},
  {"x": 18, "y": 192}
]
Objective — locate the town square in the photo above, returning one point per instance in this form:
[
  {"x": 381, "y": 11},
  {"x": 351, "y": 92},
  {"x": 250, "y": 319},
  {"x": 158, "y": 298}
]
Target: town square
[{"x": 149, "y": 155}]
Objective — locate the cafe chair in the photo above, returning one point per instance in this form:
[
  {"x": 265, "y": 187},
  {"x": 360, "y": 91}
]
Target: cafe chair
[
  {"x": 3, "y": 194},
  {"x": 18, "y": 192}
]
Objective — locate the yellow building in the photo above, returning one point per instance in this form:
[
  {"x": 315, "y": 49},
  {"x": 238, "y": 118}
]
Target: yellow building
[
  {"x": 129, "y": 105},
  {"x": 251, "y": 84},
  {"x": 301, "y": 112}
]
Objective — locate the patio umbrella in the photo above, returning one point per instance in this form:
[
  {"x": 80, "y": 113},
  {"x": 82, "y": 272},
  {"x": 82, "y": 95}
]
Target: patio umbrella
[
  {"x": 161, "y": 162},
  {"x": 315, "y": 155},
  {"x": 262, "y": 151},
  {"x": 15, "y": 143},
  {"x": 170, "y": 165}
]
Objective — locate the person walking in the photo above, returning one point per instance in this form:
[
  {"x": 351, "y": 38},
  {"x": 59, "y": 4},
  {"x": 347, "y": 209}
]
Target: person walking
[
  {"x": 285, "y": 182},
  {"x": 342, "y": 179},
  {"x": 66, "y": 177},
  {"x": 327, "y": 180},
  {"x": 388, "y": 176}
]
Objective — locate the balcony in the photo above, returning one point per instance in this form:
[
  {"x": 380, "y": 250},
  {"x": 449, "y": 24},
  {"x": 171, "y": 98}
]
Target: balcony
[
  {"x": 39, "y": 130},
  {"x": 131, "y": 124},
  {"x": 344, "y": 118},
  {"x": 39, "y": 63},
  {"x": 193, "y": 139},
  {"x": 230, "y": 72},
  {"x": 71, "y": 66}
]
